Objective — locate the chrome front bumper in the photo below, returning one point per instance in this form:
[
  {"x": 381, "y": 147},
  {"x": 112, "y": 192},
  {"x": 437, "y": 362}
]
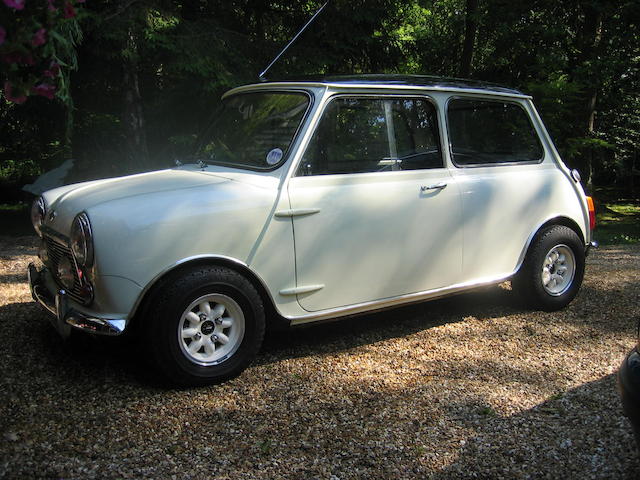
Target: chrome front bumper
[{"x": 63, "y": 316}]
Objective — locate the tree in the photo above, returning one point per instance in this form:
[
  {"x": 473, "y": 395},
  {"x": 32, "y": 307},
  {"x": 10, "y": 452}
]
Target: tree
[{"x": 469, "y": 39}]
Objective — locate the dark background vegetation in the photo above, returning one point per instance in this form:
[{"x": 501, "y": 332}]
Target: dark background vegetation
[{"x": 150, "y": 74}]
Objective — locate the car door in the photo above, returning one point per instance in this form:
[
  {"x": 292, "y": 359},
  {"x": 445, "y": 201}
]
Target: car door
[
  {"x": 375, "y": 212},
  {"x": 509, "y": 190}
]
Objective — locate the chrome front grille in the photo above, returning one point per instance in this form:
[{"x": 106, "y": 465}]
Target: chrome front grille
[{"x": 55, "y": 253}]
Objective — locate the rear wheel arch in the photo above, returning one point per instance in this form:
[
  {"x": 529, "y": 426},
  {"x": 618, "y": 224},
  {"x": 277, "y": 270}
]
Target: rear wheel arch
[
  {"x": 563, "y": 221},
  {"x": 552, "y": 270}
]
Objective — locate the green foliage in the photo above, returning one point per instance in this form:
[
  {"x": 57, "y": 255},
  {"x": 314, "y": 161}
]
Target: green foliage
[
  {"x": 181, "y": 56},
  {"x": 11, "y": 170}
]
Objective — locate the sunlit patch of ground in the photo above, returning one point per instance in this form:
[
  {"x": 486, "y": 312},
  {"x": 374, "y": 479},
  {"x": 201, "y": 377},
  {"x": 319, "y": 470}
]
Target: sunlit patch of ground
[{"x": 471, "y": 386}]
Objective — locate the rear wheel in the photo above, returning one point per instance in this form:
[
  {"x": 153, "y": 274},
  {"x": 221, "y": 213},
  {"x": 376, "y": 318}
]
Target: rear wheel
[
  {"x": 553, "y": 269},
  {"x": 204, "y": 326}
]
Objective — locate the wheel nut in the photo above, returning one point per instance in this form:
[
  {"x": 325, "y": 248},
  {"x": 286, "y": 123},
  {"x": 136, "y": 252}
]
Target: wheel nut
[
  {"x": 218, "y": 321},
  {"x": 214, "y": 337}
]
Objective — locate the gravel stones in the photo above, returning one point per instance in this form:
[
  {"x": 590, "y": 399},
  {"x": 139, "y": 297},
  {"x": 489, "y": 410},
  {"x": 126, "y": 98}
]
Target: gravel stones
[{"x": 467, "y": 387}]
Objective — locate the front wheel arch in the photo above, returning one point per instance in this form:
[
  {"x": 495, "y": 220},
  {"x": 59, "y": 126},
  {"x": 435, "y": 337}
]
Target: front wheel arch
[
  {"x": 275, "y": 321},
  {"x": 212, "y": 308}
]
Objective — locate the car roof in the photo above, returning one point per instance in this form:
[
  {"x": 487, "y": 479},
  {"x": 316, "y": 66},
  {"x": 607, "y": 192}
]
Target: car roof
[{"x": 390, "y": 80}]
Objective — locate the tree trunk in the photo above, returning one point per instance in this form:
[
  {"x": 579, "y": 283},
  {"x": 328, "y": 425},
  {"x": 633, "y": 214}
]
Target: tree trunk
[
  {"x": 590, "y": 49},
  {"x": 585, "y": 72},
  {"x": 133, "y": 115},
  {"x": 470, "y": 29}
]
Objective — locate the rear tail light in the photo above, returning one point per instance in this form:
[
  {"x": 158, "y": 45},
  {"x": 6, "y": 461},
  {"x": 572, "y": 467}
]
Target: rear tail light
[{"x": 592, "y": 213}]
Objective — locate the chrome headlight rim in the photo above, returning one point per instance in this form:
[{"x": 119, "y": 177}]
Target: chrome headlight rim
[
  {"x": 38, "y": 213},
  {"x": 81, "y": 240}
]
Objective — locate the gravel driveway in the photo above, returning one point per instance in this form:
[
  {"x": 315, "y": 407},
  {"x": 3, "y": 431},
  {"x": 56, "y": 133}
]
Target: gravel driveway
[{"x": 467, "y": 387}]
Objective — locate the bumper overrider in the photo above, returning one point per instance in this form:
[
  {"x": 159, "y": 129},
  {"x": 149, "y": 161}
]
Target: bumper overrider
[{"x": 64, "y": 317}]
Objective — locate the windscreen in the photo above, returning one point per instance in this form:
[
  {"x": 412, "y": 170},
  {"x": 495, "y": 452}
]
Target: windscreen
[{"x": 255, "y": 130}]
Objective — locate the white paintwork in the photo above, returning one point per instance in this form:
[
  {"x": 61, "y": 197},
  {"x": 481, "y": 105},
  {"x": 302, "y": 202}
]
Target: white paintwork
[
  {"x": 377, "y": 235},
  {"x": 501, "y": 205},
  {"x": 329, "y": 245}
]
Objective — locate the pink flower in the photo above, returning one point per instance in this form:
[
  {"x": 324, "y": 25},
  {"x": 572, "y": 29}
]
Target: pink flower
[
  {"x": 69, "y": 11},
  {"x": 52, "y": 7},
  {"x": 52, "y": 71},
  {"x": 80, "y": 1},
  {"x": 45, "y": 90},
  {"x": 40, "y": 37},
  {"x": 9, "y": 94},
  {"x": 3, "y": 35},
  {"x": 17, "y": 4}
]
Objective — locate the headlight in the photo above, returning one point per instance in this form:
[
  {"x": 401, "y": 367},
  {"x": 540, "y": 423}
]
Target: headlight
[
  {"x": 82, "y": 240},
  {"x": 38, "y": 211}
]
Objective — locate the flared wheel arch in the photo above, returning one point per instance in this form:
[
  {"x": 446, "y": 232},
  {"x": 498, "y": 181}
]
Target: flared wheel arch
[
  {"x": 564, "y": 221},
  {"x": 274, "y": 319}
]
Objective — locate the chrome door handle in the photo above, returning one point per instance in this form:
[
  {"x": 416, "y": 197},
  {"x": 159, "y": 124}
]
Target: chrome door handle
[{"x": 435, "y": 186}]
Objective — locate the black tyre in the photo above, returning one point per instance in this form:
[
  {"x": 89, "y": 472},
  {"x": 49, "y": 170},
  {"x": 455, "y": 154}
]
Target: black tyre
[
  {"x": 204, "y": 326},
  {"x": 553, "y": 269}
]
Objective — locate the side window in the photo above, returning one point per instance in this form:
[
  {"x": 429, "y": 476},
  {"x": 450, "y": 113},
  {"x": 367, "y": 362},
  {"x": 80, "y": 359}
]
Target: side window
[
  {"x": 487, "y": 131},
  {"x": 361, "y": 134}
]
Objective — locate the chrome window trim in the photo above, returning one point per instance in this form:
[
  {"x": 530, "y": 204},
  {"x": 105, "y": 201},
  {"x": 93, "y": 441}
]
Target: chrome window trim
[{"x": 290, "y": 150}]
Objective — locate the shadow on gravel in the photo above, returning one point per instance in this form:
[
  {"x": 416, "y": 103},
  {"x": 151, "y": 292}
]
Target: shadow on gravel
[
  {"x": 121, "y": 360},
  {"x": 611, "y": 311},
  {"x": 35, "y": 351},
  {"x": 568, "y": 436},
  {"x": 61, "y": 404},
  {"x": 13, "y": 278},
  {"x": 342, "y": 334},
  {"x": 30, "y": 341}
]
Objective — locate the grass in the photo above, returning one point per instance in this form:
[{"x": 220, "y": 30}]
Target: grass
[{"x": 617, "y": 222}]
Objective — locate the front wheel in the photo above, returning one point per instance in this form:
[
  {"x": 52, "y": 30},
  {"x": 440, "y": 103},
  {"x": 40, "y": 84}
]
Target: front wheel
[
  {"x": 553, "y": 269},
  {"x": 204, "y": 326}
]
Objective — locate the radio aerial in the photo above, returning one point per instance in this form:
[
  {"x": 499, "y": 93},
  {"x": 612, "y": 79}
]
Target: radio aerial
[{"x": 262, "y": 75}]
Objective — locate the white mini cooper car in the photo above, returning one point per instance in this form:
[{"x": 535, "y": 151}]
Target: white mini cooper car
[{"x": 312, "y": 200}]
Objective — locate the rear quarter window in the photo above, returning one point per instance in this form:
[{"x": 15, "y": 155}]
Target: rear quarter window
[{"x": 485, "y": 132}]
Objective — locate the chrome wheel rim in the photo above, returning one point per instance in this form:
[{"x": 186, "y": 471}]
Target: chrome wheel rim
[
  {"x": 558, "y": 270},
  {"x": 211, "y": 329}
]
